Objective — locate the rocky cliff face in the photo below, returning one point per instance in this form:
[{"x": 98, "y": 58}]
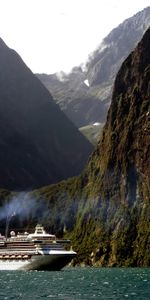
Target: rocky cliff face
[
  {"x": 38, "y": 144},
  {"x": 117, "y": 181},
  {"x": 85, "y": 96},
  {"x": 106, "y": 209}
]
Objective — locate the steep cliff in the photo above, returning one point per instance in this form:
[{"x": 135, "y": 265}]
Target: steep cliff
[
  {"x": 106, "y": 209},
  {"x": 38, "y": 144},
  {"x": 117, "y": 180}
]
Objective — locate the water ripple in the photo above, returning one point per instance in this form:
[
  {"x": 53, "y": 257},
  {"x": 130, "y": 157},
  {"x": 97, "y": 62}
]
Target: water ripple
[{"x": 76, "y": 284}]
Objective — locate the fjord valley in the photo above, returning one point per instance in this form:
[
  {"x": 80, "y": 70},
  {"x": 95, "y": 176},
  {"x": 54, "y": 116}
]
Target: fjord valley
[
  {"x": 85, "y": 94},
  {"x": 39, "y": 145},
  {"x": 106, "y": 209}
]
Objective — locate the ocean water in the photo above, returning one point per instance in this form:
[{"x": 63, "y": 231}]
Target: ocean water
[{"x": 77, "y": 283}]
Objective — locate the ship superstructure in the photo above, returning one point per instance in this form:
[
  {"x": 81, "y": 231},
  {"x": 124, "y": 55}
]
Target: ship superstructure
[{"x": 34, "y": 251}]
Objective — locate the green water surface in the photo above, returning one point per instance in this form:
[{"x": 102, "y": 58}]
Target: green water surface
[{"x": 77, "y": 283}]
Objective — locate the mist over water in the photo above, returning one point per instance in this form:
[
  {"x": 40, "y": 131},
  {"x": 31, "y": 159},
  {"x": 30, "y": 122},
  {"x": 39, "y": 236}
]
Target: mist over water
[
  {"x": 21, "y": 205},
  {"x": 21, "y": 208},
  {"x": 25, "y": 210}
]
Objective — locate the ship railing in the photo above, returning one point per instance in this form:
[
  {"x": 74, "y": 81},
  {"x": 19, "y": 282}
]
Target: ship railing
[{"x": 61, "y": 241}]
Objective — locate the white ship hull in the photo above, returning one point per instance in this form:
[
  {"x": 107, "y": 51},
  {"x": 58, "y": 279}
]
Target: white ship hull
[{"x": 53, "y": 261}]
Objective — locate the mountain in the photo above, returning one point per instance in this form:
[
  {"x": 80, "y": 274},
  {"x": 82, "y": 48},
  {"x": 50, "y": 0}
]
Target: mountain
[
  {"x": 92, "y": 132},
  {"x": 71, "y": 92},
  {"x": 85, "y": 96},
  {"x": 38, "y": 144},
  {"x": 105, "y": 210}
]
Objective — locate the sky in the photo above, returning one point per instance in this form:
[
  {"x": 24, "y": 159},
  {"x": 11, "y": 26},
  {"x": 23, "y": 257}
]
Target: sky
[{"x": 55, "y": 35}]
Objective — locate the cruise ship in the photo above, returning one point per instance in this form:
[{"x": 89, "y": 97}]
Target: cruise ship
[{"x": 34, "y": 251}]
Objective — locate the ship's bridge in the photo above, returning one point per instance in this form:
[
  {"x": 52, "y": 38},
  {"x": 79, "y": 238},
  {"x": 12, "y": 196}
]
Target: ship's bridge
[{"x": 40, "y": 233}]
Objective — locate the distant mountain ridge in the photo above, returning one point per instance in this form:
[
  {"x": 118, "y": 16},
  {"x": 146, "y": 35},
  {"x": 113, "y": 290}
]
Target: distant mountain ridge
[
  {"x": 38, "y": 144},
  {"x": 115, "y": 47},
  {"x": 85, "y": 96}
]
